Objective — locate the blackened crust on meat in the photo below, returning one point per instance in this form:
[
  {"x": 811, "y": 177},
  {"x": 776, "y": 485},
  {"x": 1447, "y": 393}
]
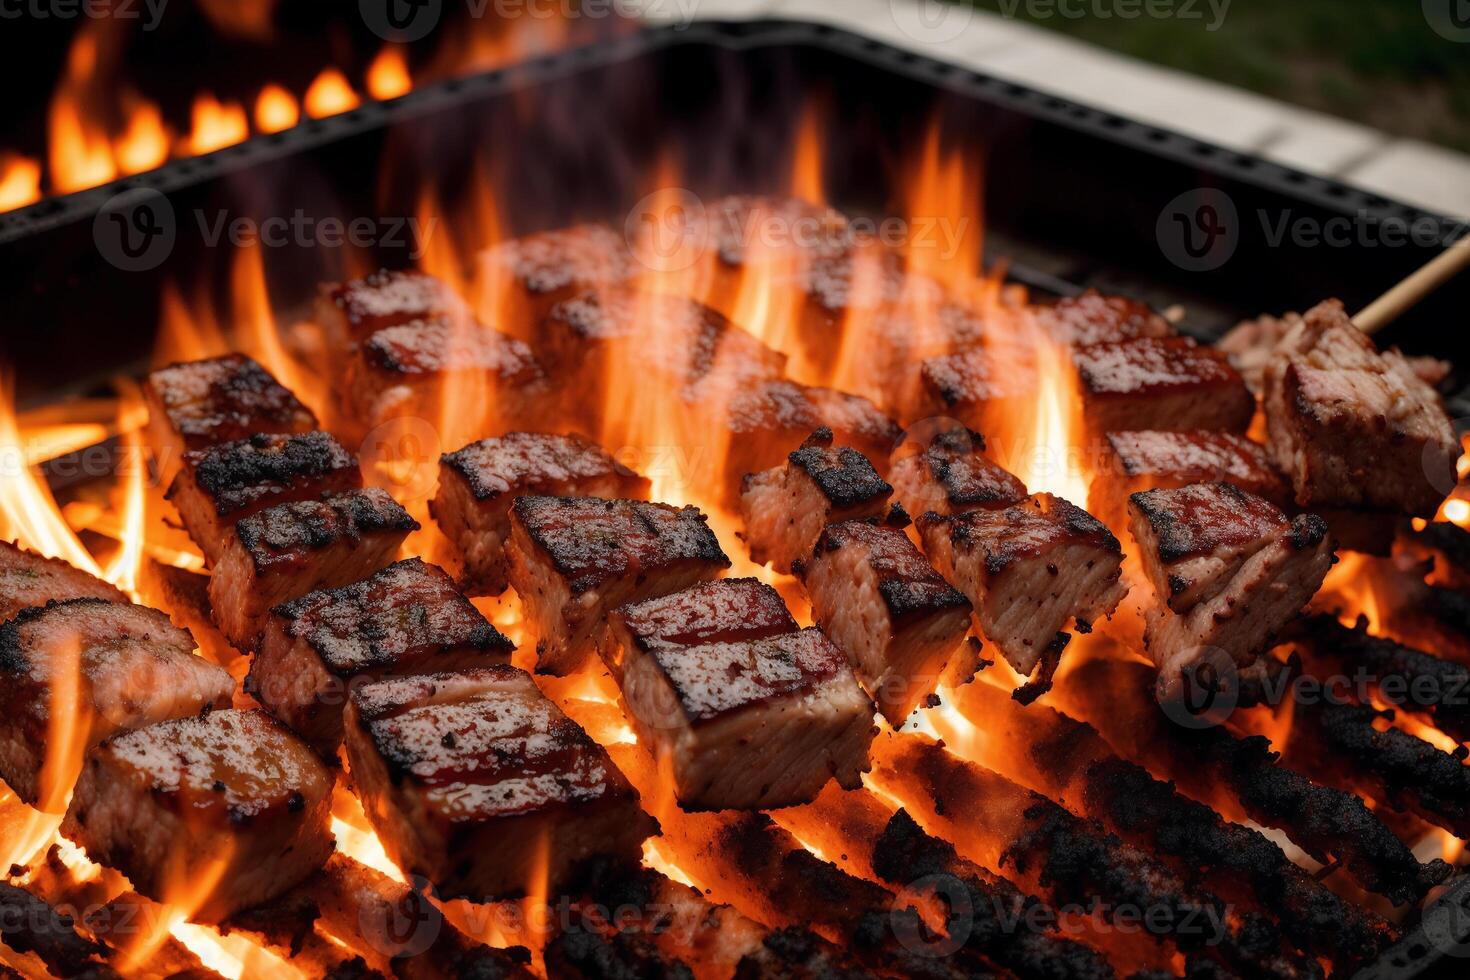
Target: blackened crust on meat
[
  {"x": 1307, "y": 531},
  {"x": 224, "y": 398},
  {"x": 1073, "y": 519},
  {"x": 956, "y": 459},
  {"x": 232, "y": 474},
  {"x": 526, "y": 460},
  {"x": 907, "y": 582},
  {"x": 1046, "y": 669},
  {"x": 845, "y": 476},
  {"x": 386, "y": 298},
  {"x": 284, "y": 532},
  {"x": 1198, "y": 519}
]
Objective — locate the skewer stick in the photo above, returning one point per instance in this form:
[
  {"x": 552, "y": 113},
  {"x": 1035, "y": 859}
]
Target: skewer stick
[{"x": 1398, "y": 300}]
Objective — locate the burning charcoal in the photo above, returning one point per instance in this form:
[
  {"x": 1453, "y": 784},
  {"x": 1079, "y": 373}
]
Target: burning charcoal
[
  {"x": 884, "y": 605},
  {"x": 230, "y": 798},
  {"x": 536, "y": 272},
  {"x": 291, "y": 549},
  {"x": 218, "y": 486},
  {"x": 29, "y": 925},
  {"x": 406, "y": 619},
  {"x": 468, "y": 777},
  {"x": 1161, "y": 384},
  {"x": 749, "y": 724},
  {"x": 407, "y": 371},
  {"x": 350, "y": 312},
  {"x": 478, "y": 483},
  {"x": 974, "y": 386},
  {"x": 573, "y": 559},
  {"x": 722, "y": 611},
  {"x": 1029, "y": 570},
  {"x": 1095, "y": 318},
  {"x": 952, "y": 475},
  {"x": 78, "y": 671},
  {"x": 28, "y": 579},
  {"x": 1445, "y": 544},
  {"x": 785, "y": 508},
  {"x": 1228, "y": 568},
  {"x": 1353, "y": 426},
  {"x": 1371, "y": 532}
]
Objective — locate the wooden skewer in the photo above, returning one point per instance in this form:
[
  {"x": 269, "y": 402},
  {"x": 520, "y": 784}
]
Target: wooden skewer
[{"x": 1398, "y": 300}]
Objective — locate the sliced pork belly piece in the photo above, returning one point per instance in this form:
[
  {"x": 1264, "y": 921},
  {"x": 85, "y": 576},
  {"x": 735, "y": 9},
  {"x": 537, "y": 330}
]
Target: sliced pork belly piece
[
  {"x": 784, "y": 509},
  {"x": 352, "y": 311},
  {"x": 1096, "y": 318},
  {"x": 886, "y": 607},
  {"x": 478, "y": 483},
  {"x": 230, "y": 798},
  {"x": 574, "y": 559},
  {"x": 407, "y": 619},
  {"x": 1168, "y": 383},
  {"x": 530, "y": 275},
  {"x": 28, "y": 579},
  {"x": 974, "y": 386},
  {"x": 1153, "y": 460},
  {"x": 722, "y": 611},
  {"x": 196, "y": 404},
  {"x": 93, "y": 668},
  {"x": 1353, "y": 426},
  {"x": 951, "y": 475},
  {"x": 408, "y": 370},
  {"x": 750, "y": 724},
  {"x": 291, "y": 549},
  {"x": 1229, "y": 569},
  {"x": 1029, "y": 570},
  {"x": 220, "y": 485},
  {"x": 471, "y": 779}
]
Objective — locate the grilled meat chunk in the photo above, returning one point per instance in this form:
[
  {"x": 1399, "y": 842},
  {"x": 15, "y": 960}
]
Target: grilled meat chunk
[
  {"x": 196, "y": 404},
  {"x": 224, "y": 483},
  {"x": 974, "y": 386},
  {"x": 856, "y": 284},
  {"x": 78, "y": 671},
  {"x": 291, "y": 549},
  {"x": 408, "y": 370},
  {"x": 952, "y": 475},
  {"x": 478, "y": 483},
  {"x": 749, "y": 724},
  {"x": 1353, "y": 426},
  {"x": 886, "y": 607},
  {"x": 784, "y": 509},
  {"x": 28, "y": 579},
  {"x": 894, "y": 346},
  {"x": 574, "y": 559},
  {"x": 722, "y": 611},
  {"x": 1096, "y": 318},
  {"x": 535, "y": 272},
  {"x": 230, "y": 802},
  {"x": 407, "y": 619},
  {"x": 351, "y": 312},
  {"x": 1139, "y": 461},
  {"x": 1228, "y": 569},
  {"x": 1029, "y": 569},
  {"x": 1161, "y": 384},
  {"x": 469, "y": 778}
]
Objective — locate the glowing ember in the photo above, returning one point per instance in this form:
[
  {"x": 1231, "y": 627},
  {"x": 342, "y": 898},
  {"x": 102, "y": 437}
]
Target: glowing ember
[
  {"x": 387, "y": 76},
  {"x": 329, "y": 94},
  {"x": 276, "y": 109},
  {"x": 20, "y": 181}
]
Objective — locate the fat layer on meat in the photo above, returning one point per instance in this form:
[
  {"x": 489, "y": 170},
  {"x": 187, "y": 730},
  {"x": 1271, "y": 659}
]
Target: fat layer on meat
[
  {"x": 1161, "y": 383},
  {"x": 474, "y": 779},
  {"x": 574, "y": 559},
  {"x": 226, "y": 810},
  {"x": 952, "y": 474},
  {"x": 406, "y": 619},
  {"x": 78, "y": 671},
  {"x": 478, "y": 483},
  {"x": 28, "y": 579}
]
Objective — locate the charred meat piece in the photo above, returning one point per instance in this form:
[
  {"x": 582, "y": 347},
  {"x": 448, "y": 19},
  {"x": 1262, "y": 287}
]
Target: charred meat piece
[
  {"x": 1160, "y": 384},
  {"x": 478, "y": 483},
  {"x": 1153, "y": 460},
  {"x": 408, "y": 370},
  {"x": 219, "y": 486},
  {"x": 784, "y": 509},
  {"x": 952, "y": 475},
  {"x": 1096, "y": 318},
  {"x": 291, "y": 549},
  {"x": 196, "y": 404},
  {"x": 722, "y": 611},
  {"x": 1029, "y": 570},
  {"x": 750, "y": 724},
  {"x": 886, "y": 607},
  {"x": 352, "y": 311},
  {"x": 856, "y": 284},
  {"x": 229, "y": 799},
  {"x": 96, "y": 668},
  {"x": 536, "y": 272},
  {"x": 407, "y": 619},
  {"x": 574, "y": 559},
  {"x": 1353, "y": 426},
  {"x": 468, "y": 778},
  {"x": 974, "y": 386},
  {"x": 1228, "y": 568},
  {"x": 28, "y": 579}
]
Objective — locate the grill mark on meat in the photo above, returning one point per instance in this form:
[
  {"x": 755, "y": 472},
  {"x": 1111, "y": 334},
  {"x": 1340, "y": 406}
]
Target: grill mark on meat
[
  {"x": 221, "y": 399},
  {"x": 287, "y": 533},
  {"x": 238, "y": 475},
  {"x": 1200, "y": 519},
  {"x": 844, "y": 476},
  {"x": 522, "y": 462},
  {"x": 723, "y": 611}
]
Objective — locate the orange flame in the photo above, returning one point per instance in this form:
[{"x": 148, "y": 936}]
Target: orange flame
[
  {"x": 144, "y": 144},
  {"x": 387, "y": 76},
  {"x": 275, "y": 110},
  {"x": 330, "y": 94},
  {"x": 20, "y": 181},
  {"x": 216, "y": 125}
]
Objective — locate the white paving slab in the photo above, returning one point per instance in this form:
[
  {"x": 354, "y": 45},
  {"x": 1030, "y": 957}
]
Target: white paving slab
[{"x": 1418, "y": 173}]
